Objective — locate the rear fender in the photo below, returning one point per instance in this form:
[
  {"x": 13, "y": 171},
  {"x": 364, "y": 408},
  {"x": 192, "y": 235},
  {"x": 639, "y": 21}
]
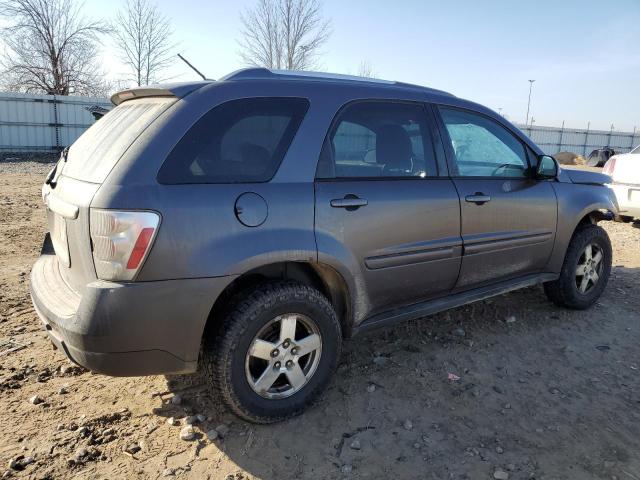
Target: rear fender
[{"x": 341, "y": 259}]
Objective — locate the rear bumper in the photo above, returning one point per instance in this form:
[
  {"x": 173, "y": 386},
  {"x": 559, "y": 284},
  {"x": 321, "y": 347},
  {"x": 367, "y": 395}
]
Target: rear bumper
[
  {"x": 125, "y": 329},
  {"x": 627, "y": 206}
]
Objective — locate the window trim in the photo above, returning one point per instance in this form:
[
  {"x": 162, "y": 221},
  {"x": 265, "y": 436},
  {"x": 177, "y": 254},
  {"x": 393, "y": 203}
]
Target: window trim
[
  {"x": 430, "y": 130},
  {"x": 451, "y": 156},
  {"x": 303, "y": 115}
]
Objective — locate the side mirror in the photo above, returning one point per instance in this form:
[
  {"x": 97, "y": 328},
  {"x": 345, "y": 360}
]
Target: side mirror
[{"x": 547, "y": 167}]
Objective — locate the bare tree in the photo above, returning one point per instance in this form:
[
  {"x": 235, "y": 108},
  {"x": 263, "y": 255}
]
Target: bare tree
[
  {"x": 366, "y": 70},
  {"x": 50, "y": 48},
  {"x": 143, "y": 36},
  {"x": 284, "y": 34}
]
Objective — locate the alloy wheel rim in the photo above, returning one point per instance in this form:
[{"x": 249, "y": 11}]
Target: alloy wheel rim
[
  {"x": 589, "y": 268},
  {"x": 283, "y": 356}
]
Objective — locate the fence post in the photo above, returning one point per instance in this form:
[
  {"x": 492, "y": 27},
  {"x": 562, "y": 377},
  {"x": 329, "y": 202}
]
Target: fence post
[
  {"x": 586, "y": 140},
  {"x": 56, "y": 123},
  {"x": 561, "y": 135},
  {"x": 609, "y": 138}
]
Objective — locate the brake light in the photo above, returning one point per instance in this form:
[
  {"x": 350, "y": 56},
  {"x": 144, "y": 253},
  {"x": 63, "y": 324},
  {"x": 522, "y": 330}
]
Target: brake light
[
  {"x": 121, "y": 241},
  {"x": 609, "y": 167}
]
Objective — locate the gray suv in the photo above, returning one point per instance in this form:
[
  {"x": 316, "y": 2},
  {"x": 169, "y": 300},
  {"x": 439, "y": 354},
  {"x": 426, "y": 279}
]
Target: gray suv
[{"x": 247, "y": 226}]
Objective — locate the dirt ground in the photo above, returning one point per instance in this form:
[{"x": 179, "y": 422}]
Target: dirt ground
[{"x": 543, "y": 393}]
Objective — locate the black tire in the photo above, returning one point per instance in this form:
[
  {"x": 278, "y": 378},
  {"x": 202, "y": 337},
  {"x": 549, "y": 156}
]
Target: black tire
[
  {"x": 564, "y": 291},
  {"x": 623, "y": 219},
  {"x": 225, "y": 351}
]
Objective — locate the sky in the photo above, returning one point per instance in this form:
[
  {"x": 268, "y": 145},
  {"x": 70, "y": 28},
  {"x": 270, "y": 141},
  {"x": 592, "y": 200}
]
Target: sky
[{"x": 584, "y": 55}]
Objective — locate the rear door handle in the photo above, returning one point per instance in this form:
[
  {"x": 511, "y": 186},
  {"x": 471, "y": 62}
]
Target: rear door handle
[
  {"x": 478, "y": 198},
  {"x": 350, "y": 202}
]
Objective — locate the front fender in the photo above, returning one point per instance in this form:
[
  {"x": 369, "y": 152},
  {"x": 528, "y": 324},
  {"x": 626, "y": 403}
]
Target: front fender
[{"x": 575, "y": 202}]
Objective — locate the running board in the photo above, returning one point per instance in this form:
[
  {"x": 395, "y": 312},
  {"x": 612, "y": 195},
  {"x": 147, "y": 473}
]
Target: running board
[{"x": 423, "y": 309}]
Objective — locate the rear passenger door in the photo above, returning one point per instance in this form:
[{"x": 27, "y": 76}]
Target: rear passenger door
[
  {"x": 382, "y": 210},
  {"x": 508, "y": 216}
]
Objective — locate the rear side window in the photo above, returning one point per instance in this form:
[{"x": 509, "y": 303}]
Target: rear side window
[
  {"x": 97, "y": 151},
  {"x": 237, "y": 142}
]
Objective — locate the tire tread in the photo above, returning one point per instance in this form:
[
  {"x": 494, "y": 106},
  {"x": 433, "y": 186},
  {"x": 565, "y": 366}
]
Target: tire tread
[
  {"x": 562, "y": 291},
  {"x": 244, "y": 310}
]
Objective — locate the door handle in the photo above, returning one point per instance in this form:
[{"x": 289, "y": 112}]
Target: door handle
[
  {"x": 350, "y": 202},
  {"x": 478, "y": 198}
]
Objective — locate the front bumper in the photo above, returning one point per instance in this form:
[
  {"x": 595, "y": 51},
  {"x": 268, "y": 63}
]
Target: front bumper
[
  {"x": 628, "y": 200},
  {"x": 125, "y": 329}
]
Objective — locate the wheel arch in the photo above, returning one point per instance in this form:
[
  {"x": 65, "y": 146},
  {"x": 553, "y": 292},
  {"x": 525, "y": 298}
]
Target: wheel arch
[
  {"x": 316, "y": 275},
  {"x": 585, "y": 205}
]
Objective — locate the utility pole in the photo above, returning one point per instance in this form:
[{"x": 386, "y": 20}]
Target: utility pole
[{"x": 529, "y": 102}]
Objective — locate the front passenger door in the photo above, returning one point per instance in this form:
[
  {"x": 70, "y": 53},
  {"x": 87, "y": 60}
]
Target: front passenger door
[{"x": 508, "y": 217}]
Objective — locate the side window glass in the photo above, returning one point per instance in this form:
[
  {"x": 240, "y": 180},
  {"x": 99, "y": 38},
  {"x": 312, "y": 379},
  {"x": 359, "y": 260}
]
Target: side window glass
[
  {"x": 378, "y": 139},
  {"x": 239, "y": 141},
  {"x": 482, "y": 147}
]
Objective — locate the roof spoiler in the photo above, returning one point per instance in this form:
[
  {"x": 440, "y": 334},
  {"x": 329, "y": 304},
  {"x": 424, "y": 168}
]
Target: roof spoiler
[{"x": 178, "y": 90}]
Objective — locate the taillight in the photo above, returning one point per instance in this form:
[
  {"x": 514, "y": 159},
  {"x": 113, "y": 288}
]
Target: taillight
[
  {"x": 121, "y": 241},
  {"x": 609, "y": 167}
]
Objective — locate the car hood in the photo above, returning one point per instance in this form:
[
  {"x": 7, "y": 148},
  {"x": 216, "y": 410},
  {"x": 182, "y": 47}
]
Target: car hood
[{"x": 587, "y": 177}]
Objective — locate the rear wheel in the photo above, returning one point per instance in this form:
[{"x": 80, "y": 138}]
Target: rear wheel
[
  {"x": 275, "y": 352},
  {"x": 585, "y": 271}
]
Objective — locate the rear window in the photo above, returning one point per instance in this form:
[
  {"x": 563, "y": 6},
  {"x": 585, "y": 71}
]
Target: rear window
[
  {"x": 97, "y": 151},
  {"x": 237, "y": 142}
]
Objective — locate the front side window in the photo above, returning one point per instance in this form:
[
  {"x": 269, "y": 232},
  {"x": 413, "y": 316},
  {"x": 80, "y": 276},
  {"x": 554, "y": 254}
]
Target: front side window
[
  {"x": 378, "y": 139},
  {"x": 482, "y": 147},
  {"x": 239, "y": 141}
]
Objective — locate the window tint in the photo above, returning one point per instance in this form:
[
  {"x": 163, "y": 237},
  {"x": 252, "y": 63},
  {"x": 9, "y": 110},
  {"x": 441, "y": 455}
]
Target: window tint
[
  {"x": 482, "y": 147},
  {"x": 238, "y": 141},
  {"x": 378, "y": 139}
]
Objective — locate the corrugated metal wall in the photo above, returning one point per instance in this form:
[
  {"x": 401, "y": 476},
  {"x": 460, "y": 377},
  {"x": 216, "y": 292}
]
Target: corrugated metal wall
[
  {"x": 44, "y": 123},
  {"x": 553, "y": 139},
  {"x": 47, "y": 123}
]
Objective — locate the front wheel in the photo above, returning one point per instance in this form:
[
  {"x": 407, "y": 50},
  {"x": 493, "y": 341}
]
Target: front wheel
[
  {"x": 275, "y": 352},
  {"x": 585, "y": 272}
]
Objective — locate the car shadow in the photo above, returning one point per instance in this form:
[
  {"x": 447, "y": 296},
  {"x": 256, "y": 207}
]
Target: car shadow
[{"x": 508, "y": 383}]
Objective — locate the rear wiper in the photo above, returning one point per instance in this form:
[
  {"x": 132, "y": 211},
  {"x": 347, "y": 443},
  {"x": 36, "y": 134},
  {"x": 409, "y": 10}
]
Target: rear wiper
[{"x": 52, "y": 177}]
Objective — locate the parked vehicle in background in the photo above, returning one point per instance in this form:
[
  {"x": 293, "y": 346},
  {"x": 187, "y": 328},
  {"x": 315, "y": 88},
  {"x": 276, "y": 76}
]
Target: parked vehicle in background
[
  {"x": 599, "y": 156},
  {"x": 624, "y": 169},
  {"x": 247, "y": 226}
]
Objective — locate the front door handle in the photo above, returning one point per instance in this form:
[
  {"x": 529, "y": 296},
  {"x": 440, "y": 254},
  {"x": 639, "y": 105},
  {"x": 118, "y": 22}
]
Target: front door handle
[
  {"x": 350, "y": 202},
  {"x": 478, "y": 198}
]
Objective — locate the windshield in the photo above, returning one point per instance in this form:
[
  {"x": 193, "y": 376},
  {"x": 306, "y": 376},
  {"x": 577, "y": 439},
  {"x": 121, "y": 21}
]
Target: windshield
[
  {"x": 97, "y": 151},
  {"x": 636, "y": 150}
]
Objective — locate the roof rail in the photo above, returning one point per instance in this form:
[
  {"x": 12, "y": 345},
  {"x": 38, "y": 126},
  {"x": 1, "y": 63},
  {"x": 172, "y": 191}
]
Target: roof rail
[
  {"x": 264, "y": 73},
  {"x": 259, "y": 73}
]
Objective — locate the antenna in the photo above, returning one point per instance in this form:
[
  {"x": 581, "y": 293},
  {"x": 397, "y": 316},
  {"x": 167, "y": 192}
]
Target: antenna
[{"x": 192, "y": 67}]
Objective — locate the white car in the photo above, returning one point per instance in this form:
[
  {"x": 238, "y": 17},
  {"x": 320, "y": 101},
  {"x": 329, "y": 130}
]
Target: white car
[{"x": 625, "y": 171}]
